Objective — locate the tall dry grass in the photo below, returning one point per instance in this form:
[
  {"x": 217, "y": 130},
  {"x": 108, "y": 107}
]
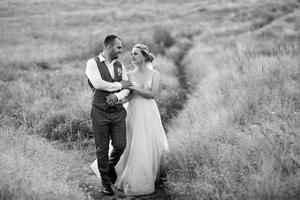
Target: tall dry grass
[
  {"x": 238, "y": 137},
  {"x": 50, "y": 103},
  {"x": 43, "y": 89},
  {"x": 31, "y": 168}
]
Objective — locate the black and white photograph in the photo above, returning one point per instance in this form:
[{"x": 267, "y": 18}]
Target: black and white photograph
[{"x": 150, "y": 100}]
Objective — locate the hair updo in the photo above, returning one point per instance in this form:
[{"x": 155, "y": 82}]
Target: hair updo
[{"x": 148, "y": 56}]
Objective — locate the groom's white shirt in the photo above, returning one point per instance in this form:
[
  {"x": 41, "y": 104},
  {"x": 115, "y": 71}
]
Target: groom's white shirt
[{"x": 94, "y": 76}]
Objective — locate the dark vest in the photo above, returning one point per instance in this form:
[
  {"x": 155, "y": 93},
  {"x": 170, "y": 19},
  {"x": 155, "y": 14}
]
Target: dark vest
[{"x": 99, "y": 95}]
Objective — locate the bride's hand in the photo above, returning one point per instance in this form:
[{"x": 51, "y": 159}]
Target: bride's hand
[
  {"x": 126, "y": 84},
  {"x": 132, "y": 87}
]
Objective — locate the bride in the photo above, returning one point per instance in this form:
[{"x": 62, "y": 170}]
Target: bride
[{"x": 139, "y": 165}]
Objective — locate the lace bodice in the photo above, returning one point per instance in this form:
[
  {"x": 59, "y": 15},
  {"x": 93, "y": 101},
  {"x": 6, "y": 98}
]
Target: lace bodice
[{"x": 145, "y": 84}]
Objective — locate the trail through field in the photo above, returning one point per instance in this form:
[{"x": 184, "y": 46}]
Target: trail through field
[{"x": 92, "y": 188}]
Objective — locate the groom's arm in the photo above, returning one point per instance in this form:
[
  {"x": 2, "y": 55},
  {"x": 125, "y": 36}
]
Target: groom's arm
[
  {"x": 94, "y": 76},
  {"x": 123, "y": 93}
]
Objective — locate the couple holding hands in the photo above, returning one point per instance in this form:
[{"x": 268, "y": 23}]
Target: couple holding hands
[{"x": 136, "y": 133}]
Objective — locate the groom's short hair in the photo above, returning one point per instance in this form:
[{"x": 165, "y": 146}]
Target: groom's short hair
[{"x": 109, "y": 40}]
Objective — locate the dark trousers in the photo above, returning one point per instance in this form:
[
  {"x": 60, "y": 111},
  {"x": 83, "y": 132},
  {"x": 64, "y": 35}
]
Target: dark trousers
[{"x": 108, "y": 126}]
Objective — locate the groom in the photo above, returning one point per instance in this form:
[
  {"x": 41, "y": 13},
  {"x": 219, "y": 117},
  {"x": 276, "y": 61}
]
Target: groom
[{"x": 107, "y": 77}]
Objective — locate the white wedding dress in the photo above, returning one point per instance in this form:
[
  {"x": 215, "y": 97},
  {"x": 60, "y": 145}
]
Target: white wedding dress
[{"x": 139, "y": 165}]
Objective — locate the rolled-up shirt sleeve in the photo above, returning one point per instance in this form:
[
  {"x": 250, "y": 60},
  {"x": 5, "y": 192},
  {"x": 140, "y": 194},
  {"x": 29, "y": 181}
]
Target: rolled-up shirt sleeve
[
  {"x": 94, "y": 76},
  {"x": 123, "y": 93}
]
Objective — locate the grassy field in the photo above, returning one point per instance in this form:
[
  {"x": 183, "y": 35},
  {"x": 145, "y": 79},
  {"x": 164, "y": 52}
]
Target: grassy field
[
  {"x": 237, "y": 61},
  {"x": 32, "y": 169},
  {"x": 238, "y": 136}
]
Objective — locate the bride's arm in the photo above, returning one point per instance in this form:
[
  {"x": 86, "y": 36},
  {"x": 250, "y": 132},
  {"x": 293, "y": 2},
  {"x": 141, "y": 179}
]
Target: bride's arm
[{"x": 154, "y": 89}]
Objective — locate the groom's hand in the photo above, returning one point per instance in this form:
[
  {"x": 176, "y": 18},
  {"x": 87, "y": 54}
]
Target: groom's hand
[{"x": 111, "y": 99}]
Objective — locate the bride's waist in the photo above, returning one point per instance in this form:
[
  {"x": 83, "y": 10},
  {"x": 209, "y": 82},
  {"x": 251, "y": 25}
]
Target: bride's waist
[{"x": 136, "y": 96}]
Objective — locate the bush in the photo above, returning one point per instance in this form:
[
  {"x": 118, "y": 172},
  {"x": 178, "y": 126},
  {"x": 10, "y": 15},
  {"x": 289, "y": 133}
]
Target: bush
[
  {"x": 162, "y": 37},
  {"x": 58, "y": 126}
]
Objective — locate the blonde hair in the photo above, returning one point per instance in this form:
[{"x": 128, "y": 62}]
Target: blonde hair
[{"x": 148, "y": 56}]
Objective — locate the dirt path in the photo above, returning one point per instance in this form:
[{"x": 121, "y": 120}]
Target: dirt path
[
  {"x": 93, "y": 190},
  {"x": 91, "y": 185}
]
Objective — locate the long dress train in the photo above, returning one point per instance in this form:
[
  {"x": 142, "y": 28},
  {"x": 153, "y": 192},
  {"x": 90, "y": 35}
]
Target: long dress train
[{"x": 139, "y": 165}]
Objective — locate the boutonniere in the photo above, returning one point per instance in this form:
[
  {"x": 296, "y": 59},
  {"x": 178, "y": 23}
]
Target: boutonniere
[{"x": 119, "y": 71}]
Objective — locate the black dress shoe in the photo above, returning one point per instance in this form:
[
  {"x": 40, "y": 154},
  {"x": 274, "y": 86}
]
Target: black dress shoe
[{"x": 107, "y": 190}]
